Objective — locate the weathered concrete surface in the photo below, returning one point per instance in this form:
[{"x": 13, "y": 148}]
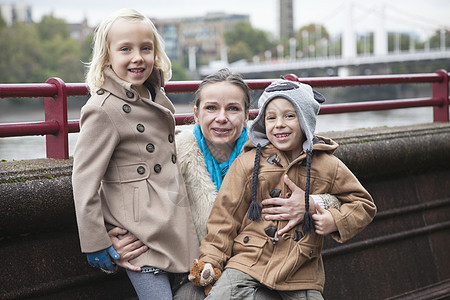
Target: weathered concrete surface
[{"x": 403, "y": 254}]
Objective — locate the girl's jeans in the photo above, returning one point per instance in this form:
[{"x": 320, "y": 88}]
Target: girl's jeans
[{"x": 151, "y": 283}]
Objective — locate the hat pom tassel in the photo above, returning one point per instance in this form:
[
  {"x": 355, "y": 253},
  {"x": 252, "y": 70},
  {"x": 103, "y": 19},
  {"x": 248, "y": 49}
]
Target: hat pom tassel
[
  {"x": 307, "y": 225},
  {"x": 254, "y": 211}
]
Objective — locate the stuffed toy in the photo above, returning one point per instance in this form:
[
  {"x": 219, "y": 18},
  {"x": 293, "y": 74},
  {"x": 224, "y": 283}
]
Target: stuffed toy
[{"x": 204, "y": 275}]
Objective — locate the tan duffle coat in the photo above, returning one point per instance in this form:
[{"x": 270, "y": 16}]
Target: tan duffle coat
[{"x": 292, "y": 261}]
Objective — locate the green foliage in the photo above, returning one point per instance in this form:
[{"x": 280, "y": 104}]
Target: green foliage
[
  {"x": 311, "y": 39},
  {"x": 2, "y": 21},
  {"x": 22, "y": 54},
  {"x": 86, "y": 49},
  {"x": 364, "y": 45},
  {"x": 399, "y": 41},
  {"x": 240, "y": 50},
  {"x": 244, "y": 41},
  {"x": 435, "y": 40},
  {"x": 179, "y": 73},
  {"x": 51, "y": 27},
  {"x": 36, "y": 52}
]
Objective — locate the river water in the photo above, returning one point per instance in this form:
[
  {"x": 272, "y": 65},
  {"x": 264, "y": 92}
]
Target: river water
[{"x": 18, "y": 148}]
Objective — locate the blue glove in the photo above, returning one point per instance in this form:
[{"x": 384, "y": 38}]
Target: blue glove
[{"x": 102, "y": 259}]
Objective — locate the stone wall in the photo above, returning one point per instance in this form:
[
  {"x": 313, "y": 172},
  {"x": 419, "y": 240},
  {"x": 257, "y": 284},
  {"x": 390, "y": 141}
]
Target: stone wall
[{"x": 402, "y": 254}]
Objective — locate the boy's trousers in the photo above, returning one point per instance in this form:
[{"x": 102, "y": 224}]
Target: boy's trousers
[{"x": 234, "y": 284}]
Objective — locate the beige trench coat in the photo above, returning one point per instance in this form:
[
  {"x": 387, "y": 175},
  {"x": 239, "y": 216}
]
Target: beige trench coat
[{"x": 126, "y": 174}]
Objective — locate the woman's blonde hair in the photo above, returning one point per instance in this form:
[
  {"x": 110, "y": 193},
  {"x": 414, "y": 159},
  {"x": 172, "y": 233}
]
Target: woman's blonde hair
[{"x": 100, "y": 54}]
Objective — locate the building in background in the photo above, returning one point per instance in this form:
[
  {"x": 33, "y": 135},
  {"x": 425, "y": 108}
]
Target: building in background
[
  {"x": 18, "y": 12},
  {"x": 286, "y": 19},
  {"x": 80, "y": 31},
  {"x": 203, "y": 36}
]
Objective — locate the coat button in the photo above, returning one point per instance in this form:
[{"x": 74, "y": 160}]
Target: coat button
[
  {"x": 157, "y": 168},
  {"x": 275, "y": 193},
  {"x": 141, "y": 170},
  {"x": 130, "y": 94},
  {"x": 140, "y": 127},
  {"x": 174, "y": 158},
  {"x": 150, "y": 147},
  {"x": 126, "y": 108},
  {"x": 100, "y": 92},
  {"x": 246, "y": 239},
  {"x": 311, "y": 252},
  {"x": 170, "y": 138}
]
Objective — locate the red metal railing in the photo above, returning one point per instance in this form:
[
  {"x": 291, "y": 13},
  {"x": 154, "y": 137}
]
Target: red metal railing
[{"x": 56, "y": 127}]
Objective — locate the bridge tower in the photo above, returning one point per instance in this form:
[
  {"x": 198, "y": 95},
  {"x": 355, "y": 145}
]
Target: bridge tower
[
  {"x": 286, "y": 19},
  {"x": 348, "y": 34},
  {"x": 380, "y": 36},
  {"x": 348, "y": 39}
]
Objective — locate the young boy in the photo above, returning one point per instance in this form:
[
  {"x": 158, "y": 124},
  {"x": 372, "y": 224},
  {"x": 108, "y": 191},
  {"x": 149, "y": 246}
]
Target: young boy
[{"x": 282, "y": 142}]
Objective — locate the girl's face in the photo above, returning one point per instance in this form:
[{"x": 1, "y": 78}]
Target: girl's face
[
  {"x": 283, "y": 127},
  {"x": 132, "y": 53},
  {"x": 221, "y": 113}
]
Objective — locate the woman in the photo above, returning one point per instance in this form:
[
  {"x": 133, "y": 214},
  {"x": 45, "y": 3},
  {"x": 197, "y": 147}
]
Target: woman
[{"x": 221, "y": 113}]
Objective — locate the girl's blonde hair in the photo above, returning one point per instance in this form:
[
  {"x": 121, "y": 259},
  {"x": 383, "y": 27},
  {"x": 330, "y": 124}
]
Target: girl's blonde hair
[{"x": 100, "y": 54}]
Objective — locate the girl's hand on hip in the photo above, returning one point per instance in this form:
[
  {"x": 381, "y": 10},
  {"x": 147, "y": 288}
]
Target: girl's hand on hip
[{"x": 128, "y": 247}]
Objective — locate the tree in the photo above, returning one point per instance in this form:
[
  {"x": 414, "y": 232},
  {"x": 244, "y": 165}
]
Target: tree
[
  {"x": 49, "y": 27},
  {"x": 22, "y": 54},
  {"x": 35, "y": 52},
  {"x": 2, "y": 21},
  {"x": 435, "y": 40},
  {"x": 62, "y": 59},
  {"x": 244, "y": 37},
  {"x": 239, "y": 50},
  {"x": 398, "y": 42},
  {"x": 179, "y": 73},
  {"x": 310, "y": 39}
]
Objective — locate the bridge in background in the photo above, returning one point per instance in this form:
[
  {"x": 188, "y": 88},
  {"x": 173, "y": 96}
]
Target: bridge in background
[
  {"x": 336, "y": 65},
  {"x": 338, "y": 54}
]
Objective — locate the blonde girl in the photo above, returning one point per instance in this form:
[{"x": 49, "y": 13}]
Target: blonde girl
[{"x": 125, "y": 171}]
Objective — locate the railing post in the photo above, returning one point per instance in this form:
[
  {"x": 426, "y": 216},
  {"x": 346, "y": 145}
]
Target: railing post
[
  {"x": 440, "y": 91},
  {"x": 56, "y": 110}
]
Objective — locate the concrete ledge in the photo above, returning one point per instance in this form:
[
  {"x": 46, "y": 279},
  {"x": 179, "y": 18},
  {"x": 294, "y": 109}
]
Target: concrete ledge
[
  {"x": 402, "y": 254},
  {"x": 394, "y": 151}
]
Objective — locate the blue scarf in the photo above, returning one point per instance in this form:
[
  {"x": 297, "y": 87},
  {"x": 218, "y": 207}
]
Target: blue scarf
[{"x": 218, "y": 170}]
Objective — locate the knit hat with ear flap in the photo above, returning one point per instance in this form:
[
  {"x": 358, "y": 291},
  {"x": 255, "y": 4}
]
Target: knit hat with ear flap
[{"x": 306, "y": 103}]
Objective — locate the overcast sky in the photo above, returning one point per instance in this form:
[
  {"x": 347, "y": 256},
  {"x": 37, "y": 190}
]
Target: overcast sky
[{"x": 402, "y": 15}]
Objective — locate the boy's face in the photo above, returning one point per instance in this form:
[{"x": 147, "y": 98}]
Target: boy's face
[
  {"x": 283, "y": 127},
  {"x": 132, "y": 53}
]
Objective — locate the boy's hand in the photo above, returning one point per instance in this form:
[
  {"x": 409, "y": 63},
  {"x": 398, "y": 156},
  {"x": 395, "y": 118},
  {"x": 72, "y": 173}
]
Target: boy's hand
[
  {"x": 289, "y": 209},
  {"x": 323, "y": 221},
  {"x": 102, "y": 259}
]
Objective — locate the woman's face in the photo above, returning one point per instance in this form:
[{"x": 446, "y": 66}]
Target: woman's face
[{"x": 221, "y": 113}]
